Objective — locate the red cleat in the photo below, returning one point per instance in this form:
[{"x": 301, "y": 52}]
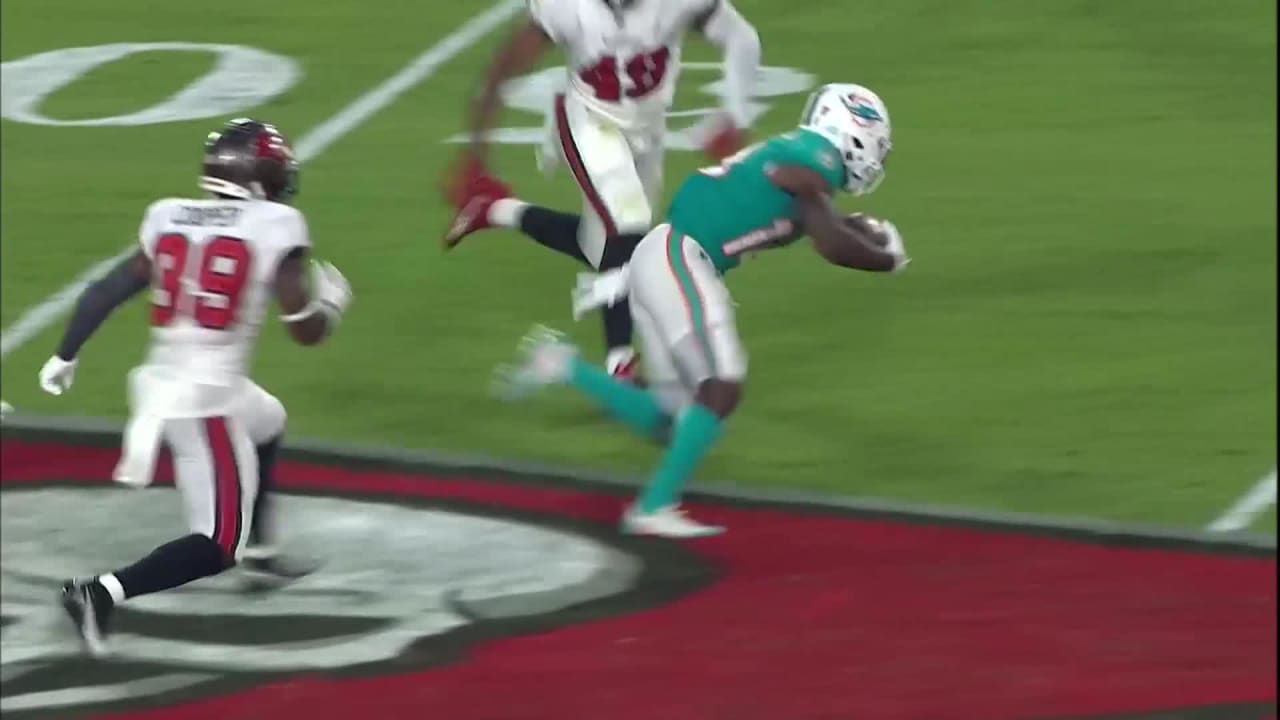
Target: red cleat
[
  {"x": 473, "y": 208},
  {"x": 628, "y": 372}
]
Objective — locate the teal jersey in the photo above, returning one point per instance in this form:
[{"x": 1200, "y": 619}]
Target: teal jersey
[{"x": 735, "y": 208}]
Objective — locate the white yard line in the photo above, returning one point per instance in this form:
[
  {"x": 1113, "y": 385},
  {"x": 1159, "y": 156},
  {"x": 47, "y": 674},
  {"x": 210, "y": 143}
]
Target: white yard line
[
  {"x": 39, "y": 317},
  {"x": 1241, "y": 515}
]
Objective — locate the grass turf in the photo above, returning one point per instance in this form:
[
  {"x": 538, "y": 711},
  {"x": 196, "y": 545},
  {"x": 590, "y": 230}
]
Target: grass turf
[{"x": 1087, "y": 188}]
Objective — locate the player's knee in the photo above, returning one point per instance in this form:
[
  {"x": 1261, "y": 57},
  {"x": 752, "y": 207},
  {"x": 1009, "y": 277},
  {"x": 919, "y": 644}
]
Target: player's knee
[
  {"x": 618, "y": 250},
  {"x": 719, "y": 396},
  {"x": 634, "y": 214},
  {"x": 212, "y": 557}
]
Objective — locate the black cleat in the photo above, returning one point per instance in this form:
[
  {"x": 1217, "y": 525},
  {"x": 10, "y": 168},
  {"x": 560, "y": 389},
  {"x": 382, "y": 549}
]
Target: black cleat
[
  {"x": 272, "y": 572},
  {"x": 89, "y": 606}
]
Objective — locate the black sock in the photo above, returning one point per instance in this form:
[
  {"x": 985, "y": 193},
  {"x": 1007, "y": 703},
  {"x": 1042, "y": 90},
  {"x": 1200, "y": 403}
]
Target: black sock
[
  {"x": 556, "y": 230},
  {"x": 173, "y": 564},
  {"x": 262, "y": 530},
  {"x": 617, "y": 319}
]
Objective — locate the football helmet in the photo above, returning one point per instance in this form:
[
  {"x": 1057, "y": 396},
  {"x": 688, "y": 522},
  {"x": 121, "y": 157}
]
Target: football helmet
[
  {"x": 856, "y": 121},
  {"x": 249, "y": 159}
]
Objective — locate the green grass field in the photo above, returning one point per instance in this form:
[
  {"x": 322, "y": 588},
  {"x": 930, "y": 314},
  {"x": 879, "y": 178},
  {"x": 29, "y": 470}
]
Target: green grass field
[{"x": 1087, "y": 188}]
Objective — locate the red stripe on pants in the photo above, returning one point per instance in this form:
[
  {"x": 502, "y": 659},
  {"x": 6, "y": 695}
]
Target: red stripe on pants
[
  {"x": 226, "y": 486},
  {"x": 580, "y": 170}
]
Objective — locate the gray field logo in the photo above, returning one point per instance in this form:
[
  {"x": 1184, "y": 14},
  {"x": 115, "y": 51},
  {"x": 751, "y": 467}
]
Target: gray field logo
[{"x": 392, "y": 575}]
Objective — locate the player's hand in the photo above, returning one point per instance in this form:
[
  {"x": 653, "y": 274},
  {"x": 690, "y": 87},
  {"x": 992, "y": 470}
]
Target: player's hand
[
  {"x": 884, "y": 234},
  {"x": 726, "y": 140},
  {"x": 892, "y": 242},
  {"x": 57, "y": 375},
  {"x": 332, "y": 290},
  {"x": 466, "y": 172}
]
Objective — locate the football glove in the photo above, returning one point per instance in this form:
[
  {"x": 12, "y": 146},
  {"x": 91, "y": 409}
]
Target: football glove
[{"x": 57, "y": 375}]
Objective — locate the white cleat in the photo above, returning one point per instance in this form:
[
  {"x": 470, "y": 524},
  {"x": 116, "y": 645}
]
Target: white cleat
[
  {"x": 544, "y": 357},
  {"x": 669, "y": 521}
]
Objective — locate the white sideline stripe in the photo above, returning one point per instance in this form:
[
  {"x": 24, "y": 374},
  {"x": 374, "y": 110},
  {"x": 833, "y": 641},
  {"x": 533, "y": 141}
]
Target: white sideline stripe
[
  {"x": 1252, "y": 504},
  {"x": 37, "y": 318}
]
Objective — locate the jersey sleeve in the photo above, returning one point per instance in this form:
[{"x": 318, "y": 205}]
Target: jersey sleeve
[
  {"x": 546, "y": 15},
  {"x": 823, "y": 158},
  {"x": 291, "y": 232},
  {"x": 149, "y": 230},
  {"x": 811, "y": 151}
]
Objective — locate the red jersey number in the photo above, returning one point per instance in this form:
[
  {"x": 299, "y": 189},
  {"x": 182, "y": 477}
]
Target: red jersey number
[
  {"x": 221, "y": 275},
  {"x": 645, "y": 73}
]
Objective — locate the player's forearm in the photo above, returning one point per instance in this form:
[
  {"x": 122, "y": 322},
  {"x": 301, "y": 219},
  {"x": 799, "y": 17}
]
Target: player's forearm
[
  {"x": 96, "y": 304},
  {"x": 730, "y": 31},
  {"x": 840, "y": 245},
  {"x": 520, "y": 53},
  {"x": 484, "y": 113},
  {"x": 312, "y": 330}
]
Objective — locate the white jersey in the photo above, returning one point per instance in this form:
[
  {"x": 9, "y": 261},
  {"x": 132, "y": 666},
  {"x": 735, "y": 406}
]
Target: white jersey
[
  {"x": 214, "y": 265},
  {"x": 622, "y": 64}
]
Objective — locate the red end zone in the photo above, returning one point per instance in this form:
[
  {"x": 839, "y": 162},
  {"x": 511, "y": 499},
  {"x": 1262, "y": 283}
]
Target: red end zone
[{"x": 814, "y": 615}]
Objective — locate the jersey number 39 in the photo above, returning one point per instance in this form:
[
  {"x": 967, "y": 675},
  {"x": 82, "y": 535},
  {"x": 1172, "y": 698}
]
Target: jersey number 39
[{"x": 221, "y": 273}]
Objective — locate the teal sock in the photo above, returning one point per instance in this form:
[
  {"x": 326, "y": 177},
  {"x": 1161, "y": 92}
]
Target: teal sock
[
  {"x": 694, "y": 434},
  {"x": 628, "y": 404}
]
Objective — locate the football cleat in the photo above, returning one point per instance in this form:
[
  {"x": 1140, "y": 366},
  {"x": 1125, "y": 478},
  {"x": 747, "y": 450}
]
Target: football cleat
[
  {"x": 669, "y": 522},
  {"x": 628, "y": 371},
  {"x": 89, "y": 606},
  {"x": 544, "y": 357},
  {"x": 264, "y": 570},
  {"x": 473, "y": 211}
]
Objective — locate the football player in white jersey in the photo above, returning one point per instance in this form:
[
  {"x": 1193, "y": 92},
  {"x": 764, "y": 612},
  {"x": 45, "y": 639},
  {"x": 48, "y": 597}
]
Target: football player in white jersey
[
  {"x": 213, "y": 266},
  {"x": 623, "y": 59}
]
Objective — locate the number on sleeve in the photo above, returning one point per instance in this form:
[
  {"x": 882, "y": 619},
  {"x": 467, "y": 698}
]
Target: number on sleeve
[{"x": 222, "y": 274}]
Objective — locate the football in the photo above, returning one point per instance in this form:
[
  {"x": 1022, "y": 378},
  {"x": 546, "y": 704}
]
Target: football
[{"x": 868, "y": 227}]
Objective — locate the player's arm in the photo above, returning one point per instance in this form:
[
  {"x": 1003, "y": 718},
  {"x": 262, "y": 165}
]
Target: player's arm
[
  {"x": 128, "y": 278},
  {"x": 837, "y": 242},
  {"x": 728, "y": 30},
  {"x": 311, "y": 314},
  {"x": 517, "y": 56}
]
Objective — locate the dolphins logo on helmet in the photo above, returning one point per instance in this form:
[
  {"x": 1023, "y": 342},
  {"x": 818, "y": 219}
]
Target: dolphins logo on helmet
[{"x": 856, "y": 121}]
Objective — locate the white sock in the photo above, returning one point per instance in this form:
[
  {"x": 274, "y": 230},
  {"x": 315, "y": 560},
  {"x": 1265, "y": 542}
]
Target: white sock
[
  {"x": 113, "y": 586},
  {"x": 617, "y": 357},
  {"x": 506, "y": 212}
]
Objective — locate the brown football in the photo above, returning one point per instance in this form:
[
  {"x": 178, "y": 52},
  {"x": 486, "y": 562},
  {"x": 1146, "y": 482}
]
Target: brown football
[{"x": 859, "y": 223}]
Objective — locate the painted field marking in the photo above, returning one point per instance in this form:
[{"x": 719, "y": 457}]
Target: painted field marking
[
  {"x": 37, "y": 318},
  {"x": 1241, "y": 515}
]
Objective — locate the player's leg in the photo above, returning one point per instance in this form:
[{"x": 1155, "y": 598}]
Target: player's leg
[
  {"x": 693, "y": 312},
  {"x": 547, "y": 358},
  {"x": 216, "y": 472},
  {"x": 493, "y": 206},
  {"x": 264, "y": 418},
  {"x": 616, "y": 209}
]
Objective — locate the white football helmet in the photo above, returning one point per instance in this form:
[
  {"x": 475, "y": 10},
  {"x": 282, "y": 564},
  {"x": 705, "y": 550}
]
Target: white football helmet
[{"x": 856, "y": 121}]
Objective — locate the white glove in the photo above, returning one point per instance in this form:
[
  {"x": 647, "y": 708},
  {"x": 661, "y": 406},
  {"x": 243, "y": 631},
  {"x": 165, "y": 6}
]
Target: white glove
[
  {"x": 330, "y": 294},
  {"x": 57, "y": 375},
  {"x": 595, "y": 290},
  {"x": 331, "y": 288},
  {"x": 894, "y": 245}
]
